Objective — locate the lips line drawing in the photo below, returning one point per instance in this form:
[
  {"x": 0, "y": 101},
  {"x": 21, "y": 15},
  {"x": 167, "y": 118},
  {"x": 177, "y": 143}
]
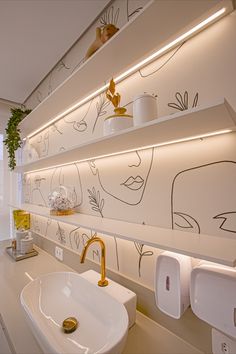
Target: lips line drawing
[{"x": 134, "y": 183}]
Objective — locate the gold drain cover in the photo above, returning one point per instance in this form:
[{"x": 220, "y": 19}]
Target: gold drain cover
[{"x": 70, "y": 324}]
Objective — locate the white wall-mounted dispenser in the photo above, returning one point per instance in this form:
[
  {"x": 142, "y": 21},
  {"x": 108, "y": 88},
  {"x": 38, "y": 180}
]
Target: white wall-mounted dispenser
[
  {"x": 212, "y": 295},
  {"x": 172, "y": 281}
]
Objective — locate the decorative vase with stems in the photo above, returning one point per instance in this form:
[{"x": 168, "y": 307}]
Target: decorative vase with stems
[{"x": 120, "y": 120}]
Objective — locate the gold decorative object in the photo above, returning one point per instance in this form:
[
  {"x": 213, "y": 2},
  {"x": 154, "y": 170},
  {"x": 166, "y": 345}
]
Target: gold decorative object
[
  {"x": 103, "y": 281},
  {"x": 61, "y": 212},
  {"x": 69, "y": 325},
  {"x": 102, "y": 36},
  {"x": 21, "y": 219},
  {"x": 115, "y": 99},
  {"x": 120, "y": 120},
  {"x": 61, "y": 201}
]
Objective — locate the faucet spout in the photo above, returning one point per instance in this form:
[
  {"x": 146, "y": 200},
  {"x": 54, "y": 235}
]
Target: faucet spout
[{"x": 103, "y": 281}]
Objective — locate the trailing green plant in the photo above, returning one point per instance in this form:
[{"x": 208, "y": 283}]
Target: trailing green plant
[{"x": 13, "y": 140}]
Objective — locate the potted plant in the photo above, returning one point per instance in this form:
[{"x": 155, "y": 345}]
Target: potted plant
[
  {"x": 13, "y": 140},
  {"x": 120, "y": 120}
]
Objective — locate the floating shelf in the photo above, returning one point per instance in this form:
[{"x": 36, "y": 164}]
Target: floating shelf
[
  {"x": 182, "y": 125},
  {"x": 139, "y": 38},
  {"x": 212, "y": 248}
]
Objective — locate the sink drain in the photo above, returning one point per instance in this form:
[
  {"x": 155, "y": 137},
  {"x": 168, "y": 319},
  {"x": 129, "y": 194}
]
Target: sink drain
[{"x": 69, "y": 325}]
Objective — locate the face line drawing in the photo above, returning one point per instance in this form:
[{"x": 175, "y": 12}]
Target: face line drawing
[
  {"x": 219, "y": 216},
  {"x": 42, "y": 138},
  {"x": 61, "y": 181},
  {"x": 139, "y": 180},
  {"x": 133, "y": 183},
  {"x": 139, "y": 163},
  {"x": 77, "y": 124},
  {"x": 37, "y": 188}
]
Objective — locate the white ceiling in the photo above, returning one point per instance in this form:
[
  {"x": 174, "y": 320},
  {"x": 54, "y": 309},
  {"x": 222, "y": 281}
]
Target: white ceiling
[{"x": 34, "y": 35}]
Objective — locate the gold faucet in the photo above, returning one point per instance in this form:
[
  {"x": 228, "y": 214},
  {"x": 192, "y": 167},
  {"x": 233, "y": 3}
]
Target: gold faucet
[{"x": 103, "y": 281}]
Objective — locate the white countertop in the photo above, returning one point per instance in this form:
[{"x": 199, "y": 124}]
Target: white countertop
[{"x": 146, "y": 336}]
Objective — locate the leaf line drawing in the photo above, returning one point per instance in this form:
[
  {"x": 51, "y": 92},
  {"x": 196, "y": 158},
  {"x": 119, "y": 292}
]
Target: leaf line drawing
[
  {"x": 77, "y": 239},
  {"x": 139, "y": 248},
  {"x": 61, "y": 234},
  {"x": 95, "y": 200},
  {"x": 101, "y": 106},
  {"x": 183, "y": 101}
]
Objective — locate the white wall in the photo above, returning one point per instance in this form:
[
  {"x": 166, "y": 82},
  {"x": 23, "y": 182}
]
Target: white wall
[{"x": 189, "y": 186}]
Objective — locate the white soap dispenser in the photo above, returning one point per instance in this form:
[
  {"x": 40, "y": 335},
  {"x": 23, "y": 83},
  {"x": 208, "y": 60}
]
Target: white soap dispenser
[{"x": 172, "y": 281}]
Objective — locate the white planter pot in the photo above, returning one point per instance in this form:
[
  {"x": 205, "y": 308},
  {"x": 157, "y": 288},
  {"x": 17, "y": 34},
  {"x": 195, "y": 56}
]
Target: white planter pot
[
  {"x": 116, "y": 123},
  {"x": 144, "y": 109}
]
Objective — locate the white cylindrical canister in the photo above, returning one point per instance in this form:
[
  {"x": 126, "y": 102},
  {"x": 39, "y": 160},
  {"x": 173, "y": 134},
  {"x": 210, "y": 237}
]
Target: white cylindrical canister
[
  {"x": 20, "y": 234},
  {"x": 144, "y": 109},
  {"x": 26, "y": 245}
]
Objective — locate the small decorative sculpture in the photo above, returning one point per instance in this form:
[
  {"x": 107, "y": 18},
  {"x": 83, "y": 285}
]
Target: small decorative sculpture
[
  {"x": 114, "y": 98},
  {"x": 120, "y": 120},
  {"x": 60, "y": 202},
  {"x": 105, "y": 32}
]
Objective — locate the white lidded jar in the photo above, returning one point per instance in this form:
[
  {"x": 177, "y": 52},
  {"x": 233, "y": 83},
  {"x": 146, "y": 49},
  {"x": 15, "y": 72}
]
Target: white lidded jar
[
  {"x": 144, "y": 109},
  {"x": 118, "y": 121}
]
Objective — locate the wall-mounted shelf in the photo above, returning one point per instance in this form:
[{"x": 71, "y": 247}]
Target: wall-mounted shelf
[
  {"x": 122, "y": 52},
  {"x": 212, "y": 248},
  {"x": 181, "y": 125}
]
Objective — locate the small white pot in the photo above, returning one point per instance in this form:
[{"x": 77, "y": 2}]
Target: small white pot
[
  {"x": 144, "y": 109},
  {"x": 116, "y": 123}
]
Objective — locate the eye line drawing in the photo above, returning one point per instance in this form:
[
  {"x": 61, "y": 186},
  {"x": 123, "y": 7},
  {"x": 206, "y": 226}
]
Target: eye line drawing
[
  {"x": 186, "y": 170},
  {"x": 183, "y": 101},
  {"x": 225, "y": 219},
  {"x": 144, "y": 188},
  {"x": 139, "y": 247},
  {"x": 185, "y": 216}
]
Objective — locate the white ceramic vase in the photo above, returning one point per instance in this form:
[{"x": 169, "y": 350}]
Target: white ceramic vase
[
  {"x": 117, "y": 122},
  {"x": 144, "y": 109}
]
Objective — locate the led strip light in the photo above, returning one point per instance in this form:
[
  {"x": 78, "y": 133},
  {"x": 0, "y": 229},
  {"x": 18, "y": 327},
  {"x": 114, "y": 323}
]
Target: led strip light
[
  {"x": 220, "y": 132},
  {"x": 134, "y": 68}
]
